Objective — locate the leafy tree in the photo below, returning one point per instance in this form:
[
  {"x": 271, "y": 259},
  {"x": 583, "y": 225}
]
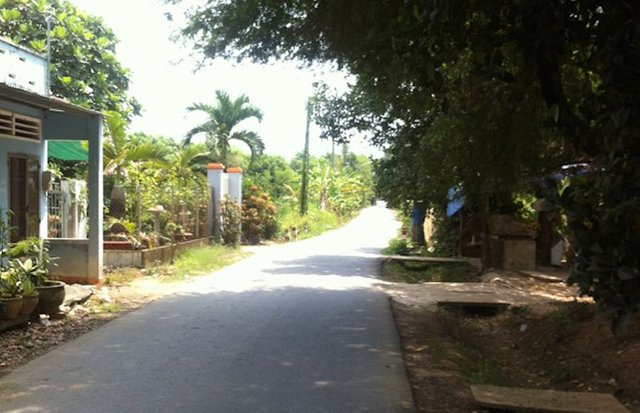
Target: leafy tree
[
  {"x": 222, "y": 125},
  {"x": 123, "y": 155},
  {"x": 84, "y": 68},
  {"x": 274, "y": 176},
  {"x": 446, "y": 78},
  {"x": 330, "y": 112}
]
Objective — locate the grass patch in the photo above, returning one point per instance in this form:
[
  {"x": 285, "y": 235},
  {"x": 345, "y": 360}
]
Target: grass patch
[
  {"x": 107, "y": 308},
  {"x": 315, "y": 222},
  {"x": 416, "y": 272},
  {"x": 464, "y": 356},
  {"x": 204, "y": 260},
  {"x": 121, "y": 276}
]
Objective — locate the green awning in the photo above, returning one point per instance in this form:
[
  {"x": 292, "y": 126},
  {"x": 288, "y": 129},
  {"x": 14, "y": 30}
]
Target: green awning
[{"x": 68, "y": 150}]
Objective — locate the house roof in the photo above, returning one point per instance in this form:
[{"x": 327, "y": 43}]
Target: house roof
[{"x": 25, "y": 97}]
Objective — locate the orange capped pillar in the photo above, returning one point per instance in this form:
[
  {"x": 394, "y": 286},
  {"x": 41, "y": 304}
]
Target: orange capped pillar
[
  {"x": 235, "y": 184},
  {"x": 215, "y": 178}
]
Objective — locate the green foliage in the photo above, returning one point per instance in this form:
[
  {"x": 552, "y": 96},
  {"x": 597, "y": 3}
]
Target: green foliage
[
  {"x": 28, "y": 288},
  {"x": 154, "y": 170},
  {"x": 123, "y": 152},
  {"x": 221, "y": 127},
  {"x": 231, "y": 222},
  {"x": 10, "y": 284},
  {"x": 418, "y": 272},
  {"x": 602, "y": 210},
  {"x": 343, "y": 190},
  {"x": 397, "y": 247},
  {"x": 258, "y": 216},
  {"x": 84, "y": 67},
  {"x": 556, "y": 83},
  {"x": 445, "y": 237},
  {"x": 31, "y": 259},
  {"x": 276, "y": 177}
]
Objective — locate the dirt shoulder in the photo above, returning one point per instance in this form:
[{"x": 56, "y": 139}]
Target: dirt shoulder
[
  {"x": 20, "y": 345},
  {"x": 547, "y": 339}
]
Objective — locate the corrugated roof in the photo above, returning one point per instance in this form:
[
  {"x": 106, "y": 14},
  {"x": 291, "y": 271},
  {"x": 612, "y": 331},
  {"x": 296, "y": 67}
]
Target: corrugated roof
[
  {"x": 67, "y": 150},
  {"x": 29, "y": 98}
]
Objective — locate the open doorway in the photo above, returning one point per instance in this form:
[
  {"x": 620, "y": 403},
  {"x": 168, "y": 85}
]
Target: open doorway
[{"x": 24, "y": 196}]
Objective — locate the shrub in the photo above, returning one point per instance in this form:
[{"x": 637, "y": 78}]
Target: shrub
[
  {"x": 231, "y": 219},
  {"x": 258, "y": 216},
  {"x": 397, "y": 247}
]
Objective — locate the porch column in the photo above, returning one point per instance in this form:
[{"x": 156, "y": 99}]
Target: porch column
[{"x": 95, "y": 200}]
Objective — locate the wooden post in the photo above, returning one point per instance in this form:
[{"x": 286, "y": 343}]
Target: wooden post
[
  {"x": 197, "y": 218},
  {"x": 138, "y": 209}
]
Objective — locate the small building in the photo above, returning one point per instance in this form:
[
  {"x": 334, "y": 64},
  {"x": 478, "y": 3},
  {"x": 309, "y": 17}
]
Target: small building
[{"x": 30, "y": 118}]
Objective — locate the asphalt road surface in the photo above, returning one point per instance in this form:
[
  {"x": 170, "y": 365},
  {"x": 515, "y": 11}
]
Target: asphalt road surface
[{"x": 299, "y": 327}]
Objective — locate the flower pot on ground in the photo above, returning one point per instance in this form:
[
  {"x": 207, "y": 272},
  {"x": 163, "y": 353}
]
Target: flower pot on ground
[
  {"x": 30, "y": 297},
  {"x": 10, "y": 297},
  {"x": 50, "y": 297},
  {"x": 11, "y": 307}
]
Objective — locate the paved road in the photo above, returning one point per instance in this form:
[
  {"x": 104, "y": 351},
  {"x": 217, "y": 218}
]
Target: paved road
[{"x": 294, "y": 328}]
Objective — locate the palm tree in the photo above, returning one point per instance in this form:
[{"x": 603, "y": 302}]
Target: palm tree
[
  {"x": 188, "y": 162},
  {"x": 224, "y": 117},
  {"x": 121, "y": 153}
]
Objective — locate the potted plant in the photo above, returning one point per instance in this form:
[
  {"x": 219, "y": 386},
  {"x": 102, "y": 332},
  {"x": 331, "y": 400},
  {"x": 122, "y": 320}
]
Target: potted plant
[
  {"x": 30, "y": 297},
  {"x": 32, "y": 256},
  {"x": 10, "y": 297}
]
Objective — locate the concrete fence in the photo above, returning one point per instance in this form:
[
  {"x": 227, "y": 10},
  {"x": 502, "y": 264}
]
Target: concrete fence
[{"x": 71, "y": 263}]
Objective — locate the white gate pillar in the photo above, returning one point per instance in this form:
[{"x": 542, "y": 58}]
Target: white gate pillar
[
  {"x": 215, "y": 178},
  {"x": 235, "y": 184}
]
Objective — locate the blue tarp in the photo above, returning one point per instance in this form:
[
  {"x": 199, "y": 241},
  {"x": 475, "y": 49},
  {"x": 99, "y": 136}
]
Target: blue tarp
[{"x": 456, "y": 201}]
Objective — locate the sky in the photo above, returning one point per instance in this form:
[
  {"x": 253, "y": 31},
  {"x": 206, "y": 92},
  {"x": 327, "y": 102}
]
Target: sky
[{"x": 165, "y": 82}]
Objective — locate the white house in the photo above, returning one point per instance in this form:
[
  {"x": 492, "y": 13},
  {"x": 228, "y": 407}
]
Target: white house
[{"x": 29, "y": 118}]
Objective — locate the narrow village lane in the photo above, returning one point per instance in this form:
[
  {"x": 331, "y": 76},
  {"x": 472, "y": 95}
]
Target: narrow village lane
[{"x": 294, "y": 328}]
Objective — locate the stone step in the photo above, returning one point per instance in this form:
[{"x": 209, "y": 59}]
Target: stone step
[{"x": 519, "y": 399}]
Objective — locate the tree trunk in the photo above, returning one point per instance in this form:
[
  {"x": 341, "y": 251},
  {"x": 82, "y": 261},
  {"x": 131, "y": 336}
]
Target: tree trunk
[{"x": 486, "y": 230}]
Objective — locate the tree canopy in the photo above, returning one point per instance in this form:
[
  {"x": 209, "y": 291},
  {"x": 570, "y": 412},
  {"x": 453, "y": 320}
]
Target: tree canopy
[
  {"x": 487, "y": 94},
  {"x": 84, "y": 67}
]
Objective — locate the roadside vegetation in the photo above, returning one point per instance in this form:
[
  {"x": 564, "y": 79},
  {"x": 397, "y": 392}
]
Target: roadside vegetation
[{"x": 418, "y": 272}]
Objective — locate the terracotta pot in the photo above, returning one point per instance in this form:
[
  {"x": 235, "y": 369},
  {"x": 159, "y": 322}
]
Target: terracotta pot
[
  {"x": 29, "y": 303},
  {"x": 11, "y": 307},
  {"x": 51, "y": 296}
]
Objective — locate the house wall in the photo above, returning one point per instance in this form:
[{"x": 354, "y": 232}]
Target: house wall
[
  {"x": 22, "y": 68},
  {"x": 72, "y": 258},
  {"x": 24, "y": 147}
]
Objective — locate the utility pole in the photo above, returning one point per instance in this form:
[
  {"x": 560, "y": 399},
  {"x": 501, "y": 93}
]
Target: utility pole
[
  {"x": 304, "y": 190},
  {"x": 47, "y": 18}
]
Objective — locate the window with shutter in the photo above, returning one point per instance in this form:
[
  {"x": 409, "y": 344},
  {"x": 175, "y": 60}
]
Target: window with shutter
[{"x": 14, "y": 125}]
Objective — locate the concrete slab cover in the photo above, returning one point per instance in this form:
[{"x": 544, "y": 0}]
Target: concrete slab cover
[
  {"x": 546, "y": 400},
  {"x": 424, "y": 259},
  {"x": 542, "y": 276}
]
